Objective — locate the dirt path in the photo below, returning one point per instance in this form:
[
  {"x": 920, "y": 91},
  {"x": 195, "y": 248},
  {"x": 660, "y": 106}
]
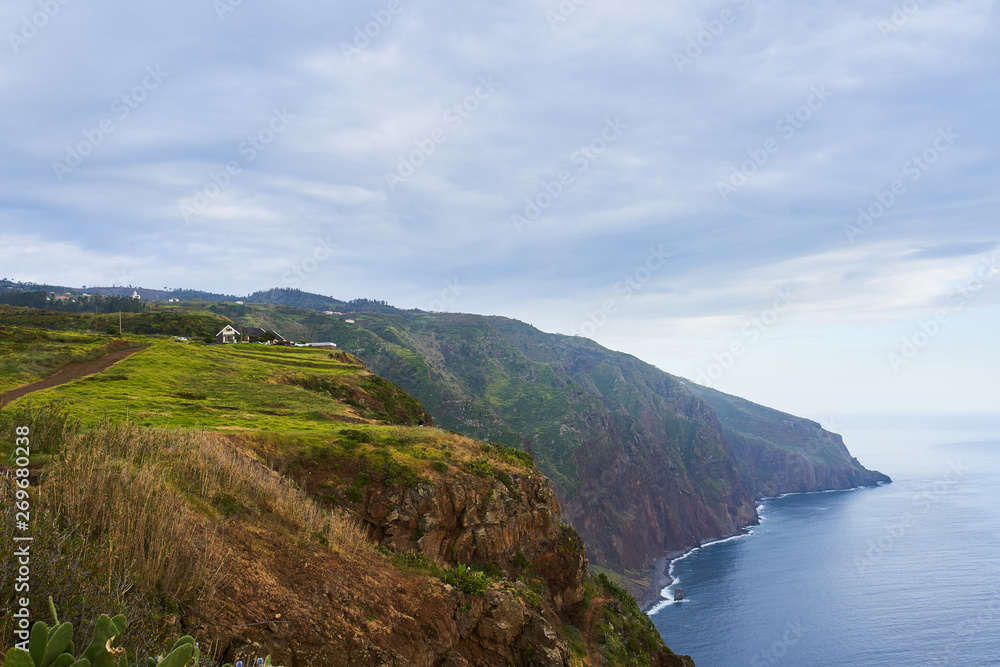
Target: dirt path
[{"x": 71, "y": 372}]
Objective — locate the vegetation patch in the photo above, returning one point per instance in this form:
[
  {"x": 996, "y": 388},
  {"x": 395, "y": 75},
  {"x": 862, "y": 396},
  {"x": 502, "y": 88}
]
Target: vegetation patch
[
  {"x": 480, "y": 467},
  {"x": 373, "y": 397},
  {"x": 626, "y": 636},
  {"x": 509, "y": 455},
  {"x": 128, "y": 519},
  {"x": 577, "y": 647},
  {"x": 470, "y": 579}
]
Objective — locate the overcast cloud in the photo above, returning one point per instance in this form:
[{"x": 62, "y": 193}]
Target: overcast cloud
[{"x": 653, "y": 175}]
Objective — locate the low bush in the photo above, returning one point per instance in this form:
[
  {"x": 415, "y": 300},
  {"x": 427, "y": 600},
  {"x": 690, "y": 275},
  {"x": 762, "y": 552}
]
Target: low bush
[
  {"x": 480, "y": 467},
  {"x": 468, "y": 580}
]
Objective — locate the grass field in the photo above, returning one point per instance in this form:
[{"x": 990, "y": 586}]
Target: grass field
[
  {"x": 233, "y": 387},
  {"x": 28, "y": 354}
]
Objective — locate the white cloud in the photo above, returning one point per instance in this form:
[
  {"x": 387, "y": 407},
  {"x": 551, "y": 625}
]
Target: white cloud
[{"x": 325, "y": 176}]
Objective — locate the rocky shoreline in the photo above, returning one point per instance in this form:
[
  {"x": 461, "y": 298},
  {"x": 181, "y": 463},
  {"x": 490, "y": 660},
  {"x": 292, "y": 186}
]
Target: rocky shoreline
[
  {"x": 659, "y": 574},
  {"x": 659, "y": 578}
]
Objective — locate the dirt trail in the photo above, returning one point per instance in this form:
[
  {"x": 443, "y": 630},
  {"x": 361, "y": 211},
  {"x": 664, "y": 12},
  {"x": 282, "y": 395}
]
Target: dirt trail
[{"x": 71, "y": 372}]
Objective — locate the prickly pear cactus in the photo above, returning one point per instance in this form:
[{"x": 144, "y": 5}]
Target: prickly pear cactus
[{"x": 52, "y": 646}]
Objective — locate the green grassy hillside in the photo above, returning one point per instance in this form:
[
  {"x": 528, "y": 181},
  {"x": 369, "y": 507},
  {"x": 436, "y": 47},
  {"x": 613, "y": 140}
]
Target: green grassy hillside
[
  {"x": 199, "y": 488},
  {"x": 235, "y": 388}
]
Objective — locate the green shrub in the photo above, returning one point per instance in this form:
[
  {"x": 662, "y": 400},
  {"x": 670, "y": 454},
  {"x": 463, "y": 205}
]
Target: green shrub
[
  {"x": 400, "y": 473},
  {"x": 354, "y": 494},
  {"x": 480, "y": 467},
  {"x": 626, "y": 635},
  {"x": 355, "y": 435},
  {"x": 415, "y": 560},
  {"x": 468, "y": 580},
  {"x": 440, "y": 466}
]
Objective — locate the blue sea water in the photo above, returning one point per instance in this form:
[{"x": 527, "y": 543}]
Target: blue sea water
[{"x": 904, "y": 574}]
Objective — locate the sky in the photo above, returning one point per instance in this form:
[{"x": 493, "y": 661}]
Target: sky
[{"x": 794, "y": 202}]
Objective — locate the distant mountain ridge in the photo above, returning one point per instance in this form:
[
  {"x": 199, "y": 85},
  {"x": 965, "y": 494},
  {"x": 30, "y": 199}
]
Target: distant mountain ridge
[{"x": 281, "y": 296}]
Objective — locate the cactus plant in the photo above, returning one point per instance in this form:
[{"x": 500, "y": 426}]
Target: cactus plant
[{"x": 52, "y": 646}]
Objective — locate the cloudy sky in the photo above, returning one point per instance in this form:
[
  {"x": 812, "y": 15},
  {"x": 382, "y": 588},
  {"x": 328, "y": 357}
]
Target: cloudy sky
[{"x": 795, "y": 202}]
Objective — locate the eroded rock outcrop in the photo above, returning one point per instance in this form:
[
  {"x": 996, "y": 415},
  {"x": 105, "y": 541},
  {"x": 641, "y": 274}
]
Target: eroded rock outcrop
[{"x": 467, "y": 519}]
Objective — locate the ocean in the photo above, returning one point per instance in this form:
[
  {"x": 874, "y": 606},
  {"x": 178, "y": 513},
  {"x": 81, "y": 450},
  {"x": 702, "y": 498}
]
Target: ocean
[{"x": 903, "y": 574}]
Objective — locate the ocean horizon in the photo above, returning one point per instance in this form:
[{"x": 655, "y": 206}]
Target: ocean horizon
[{"x": 905, "y": 573}]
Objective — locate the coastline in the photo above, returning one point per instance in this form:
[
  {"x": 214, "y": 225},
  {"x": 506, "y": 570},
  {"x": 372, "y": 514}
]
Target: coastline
[
  {"x": 659, "y": 579},
  {"x": 660, "y": 576}
]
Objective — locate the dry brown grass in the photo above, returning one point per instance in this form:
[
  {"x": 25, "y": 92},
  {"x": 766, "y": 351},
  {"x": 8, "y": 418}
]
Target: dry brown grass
[
  {"x": 156, "y": 495},
  {"x": 152, "y": 502},
  {"x": 126, "y": 516}
]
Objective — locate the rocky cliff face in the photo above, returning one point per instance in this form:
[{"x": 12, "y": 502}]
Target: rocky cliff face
[
  {"x": 468, "y": 519},
  {"x": 780, "y": 453},
  {"x": 506, "y": 523},
  {"x": 477, "y": 521}
]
